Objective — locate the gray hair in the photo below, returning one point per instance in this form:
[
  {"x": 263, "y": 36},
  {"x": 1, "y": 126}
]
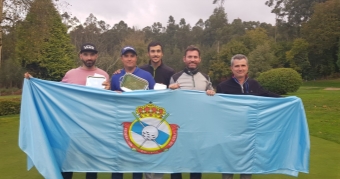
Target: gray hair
[{"x": 238, "y": 57}]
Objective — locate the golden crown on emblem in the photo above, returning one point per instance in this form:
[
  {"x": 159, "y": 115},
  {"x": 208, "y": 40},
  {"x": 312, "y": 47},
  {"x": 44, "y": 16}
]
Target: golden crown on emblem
[{"x": 150, "y": 110}]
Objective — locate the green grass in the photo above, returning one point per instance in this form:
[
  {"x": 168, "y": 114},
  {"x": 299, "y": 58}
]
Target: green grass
[
  {"x": 335, "y": 83},
  {"x": 10, "y": 97},
  {"x": 322, "y": 108}
]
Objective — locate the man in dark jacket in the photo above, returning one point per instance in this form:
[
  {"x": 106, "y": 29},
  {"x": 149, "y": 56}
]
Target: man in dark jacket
[
  {"x": 160, "y": 72},
  {"x": 242, "y": 85}
]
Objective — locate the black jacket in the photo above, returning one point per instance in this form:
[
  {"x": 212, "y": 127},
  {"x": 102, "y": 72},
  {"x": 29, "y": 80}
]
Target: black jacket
[
  {"x": 161, "y": 74},
  {"x": 249, "y": 87}
]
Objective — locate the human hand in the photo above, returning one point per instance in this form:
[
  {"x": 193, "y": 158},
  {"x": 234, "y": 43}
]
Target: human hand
[
  {"x": 27, "y": 75},
  {"x": 174, "y": 86},
  {"x": 210, "y": 92},
  {"x": 117, "y": 72},
  {"x": 106, "y": 85}
]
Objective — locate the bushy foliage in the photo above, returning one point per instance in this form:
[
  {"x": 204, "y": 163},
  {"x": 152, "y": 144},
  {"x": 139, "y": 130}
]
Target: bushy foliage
[
  {"x": 219, "y": 71},
  {"x": 280, "y": 80},
  {"x": 261, "y": 59},
  {"x": 43, "y": 47},
  {"x": 8, "y": 107}
]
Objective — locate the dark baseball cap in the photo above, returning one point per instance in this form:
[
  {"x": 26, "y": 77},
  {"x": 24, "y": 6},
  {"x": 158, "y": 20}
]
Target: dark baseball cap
[
  {"x": 128, "y": 49},
  {"x": 88, "y": 47}
]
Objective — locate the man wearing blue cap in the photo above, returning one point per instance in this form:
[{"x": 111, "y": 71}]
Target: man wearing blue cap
[{"x": 129, "y": 59}]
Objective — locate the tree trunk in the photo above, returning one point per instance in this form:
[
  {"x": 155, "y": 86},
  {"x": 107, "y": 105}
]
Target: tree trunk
[{"x": 1, "y": 12}]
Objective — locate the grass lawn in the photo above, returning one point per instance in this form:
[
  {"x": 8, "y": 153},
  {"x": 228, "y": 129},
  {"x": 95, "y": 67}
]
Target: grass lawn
[
  {"x": 10, "y": 96},
  {"x": 323, "y": 114},
  {"x": 322, "y": 108}
]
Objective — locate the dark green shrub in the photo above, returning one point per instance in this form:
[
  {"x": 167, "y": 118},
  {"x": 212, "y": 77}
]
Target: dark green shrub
[
  {"x": 9, "y": 107},
  {"x": 280, "y": 80}
]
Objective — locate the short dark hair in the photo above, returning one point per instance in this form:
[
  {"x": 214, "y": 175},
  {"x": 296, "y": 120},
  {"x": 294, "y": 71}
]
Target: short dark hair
[
  {"x": 192, "y": 48},
  {"x": 152, "y": 44}
]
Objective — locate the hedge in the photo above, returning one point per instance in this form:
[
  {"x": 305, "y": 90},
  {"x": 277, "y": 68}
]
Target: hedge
[
  {"x": 280, "y": 80},
  {"x": 8, "y": 107}
]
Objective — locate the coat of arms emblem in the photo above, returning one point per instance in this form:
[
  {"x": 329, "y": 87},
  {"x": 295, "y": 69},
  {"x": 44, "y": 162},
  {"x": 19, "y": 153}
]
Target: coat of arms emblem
[{"x": 150, "y": 132}]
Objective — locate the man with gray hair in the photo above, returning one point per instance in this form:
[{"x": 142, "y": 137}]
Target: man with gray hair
[{"x": 240, "y": 84}]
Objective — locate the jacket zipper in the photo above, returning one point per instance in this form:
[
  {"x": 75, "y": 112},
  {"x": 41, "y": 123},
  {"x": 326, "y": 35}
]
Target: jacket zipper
[{"x": 241, "y": 88}]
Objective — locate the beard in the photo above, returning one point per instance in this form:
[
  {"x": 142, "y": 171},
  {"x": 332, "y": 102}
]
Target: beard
[
  {"x": 191, "y": 67},
  {"x": 89, "y": 63}
]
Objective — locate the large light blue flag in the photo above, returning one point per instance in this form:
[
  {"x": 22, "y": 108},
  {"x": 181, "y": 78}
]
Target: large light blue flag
[{"x": 66, "y": 127}]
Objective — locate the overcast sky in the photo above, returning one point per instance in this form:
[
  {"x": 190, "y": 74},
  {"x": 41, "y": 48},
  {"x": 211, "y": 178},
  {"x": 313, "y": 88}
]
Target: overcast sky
[{"x": 142, "y": 13}]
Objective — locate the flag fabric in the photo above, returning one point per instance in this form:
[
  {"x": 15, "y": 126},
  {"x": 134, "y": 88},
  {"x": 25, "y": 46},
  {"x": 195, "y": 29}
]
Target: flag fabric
[{"x": 65, "y": 127}]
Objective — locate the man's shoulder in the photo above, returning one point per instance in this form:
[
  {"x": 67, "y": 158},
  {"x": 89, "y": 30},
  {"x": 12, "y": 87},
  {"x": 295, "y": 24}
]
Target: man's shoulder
[
  {"x": 98, "y": 70},
  {"x": 73, "y": 70},
  {"x": 252, "y": 81},
  {"x": 117, "y": 76},
  {"x": 205, "y": 75},
  {"x": 145, "y": 67},
  {"x": 225, "y": 82},
  {"x": 178, "y": 74},
  {"x": 143, "y": 73},
  {"x": 167, "y": 68}
]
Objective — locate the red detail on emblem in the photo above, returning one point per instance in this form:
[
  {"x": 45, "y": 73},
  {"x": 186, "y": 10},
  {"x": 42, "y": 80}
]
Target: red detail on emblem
[
  {"x": 174, "y": 128},
  {"x": 126, "y": 126}
]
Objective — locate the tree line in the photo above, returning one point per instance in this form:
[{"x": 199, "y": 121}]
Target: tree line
[{"x": 306, "y": 37}]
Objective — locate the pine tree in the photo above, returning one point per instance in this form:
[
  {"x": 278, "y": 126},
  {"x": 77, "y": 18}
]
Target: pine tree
[{"x": 43, "y": 46}]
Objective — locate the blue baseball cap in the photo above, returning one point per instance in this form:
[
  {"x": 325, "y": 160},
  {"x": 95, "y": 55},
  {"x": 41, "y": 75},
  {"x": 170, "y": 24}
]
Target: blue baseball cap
[{"x": 128, "y": 49}]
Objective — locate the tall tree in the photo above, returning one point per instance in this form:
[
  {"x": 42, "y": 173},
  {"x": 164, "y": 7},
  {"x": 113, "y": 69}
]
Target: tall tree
[
  {"x": 297, "y": 57},
  {"x": 322, "y": 34},
  {"x": 338, "y": 56},
  {"x": 11, "y": 12},
  {"x": 171, "y": 31},
  {"x": 233, "y": 47},
  {"x": 183, "y": 36},
  {"x": 43, "y": 45},
  {"x": 293, "y": 11},
  {"x": 216, "y": 30},
  {"x": 261, "y": 59},
  {"x": 255, "y": 37},
  {"x": 219, "y": 2},
  {"x": 197, "y": 31}
]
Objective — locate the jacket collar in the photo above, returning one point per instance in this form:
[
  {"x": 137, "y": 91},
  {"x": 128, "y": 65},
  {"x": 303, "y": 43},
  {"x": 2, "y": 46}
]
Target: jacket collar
[
  {"x": 158, "y": 66},
  {"x": 191, "y": 72},
  {"x": 236, "y": 80}
]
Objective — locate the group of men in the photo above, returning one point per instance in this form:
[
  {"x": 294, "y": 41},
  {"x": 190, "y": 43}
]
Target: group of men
[{"x": 190, "y": 78}]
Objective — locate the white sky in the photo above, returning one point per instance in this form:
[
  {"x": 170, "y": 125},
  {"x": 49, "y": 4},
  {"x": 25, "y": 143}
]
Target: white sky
[{"x": 142, "y": 13}]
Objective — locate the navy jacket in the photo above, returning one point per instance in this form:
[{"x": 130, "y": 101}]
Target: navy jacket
[{"x": 249, "y": 87}]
